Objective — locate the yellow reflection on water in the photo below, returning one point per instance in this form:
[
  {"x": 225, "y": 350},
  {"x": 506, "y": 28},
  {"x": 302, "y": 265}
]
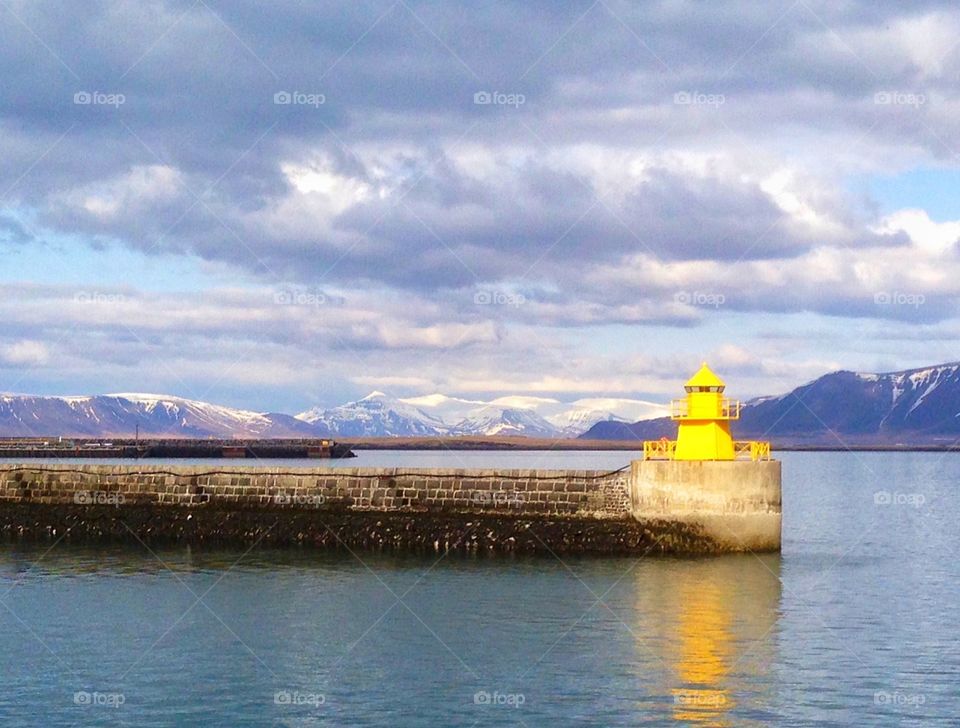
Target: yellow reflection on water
[
  {"x": 704, "y": 656},
  {"x": 711, "y": 623}
]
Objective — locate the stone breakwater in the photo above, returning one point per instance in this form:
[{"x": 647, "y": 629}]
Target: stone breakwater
[{"x": 525, "y": 511}]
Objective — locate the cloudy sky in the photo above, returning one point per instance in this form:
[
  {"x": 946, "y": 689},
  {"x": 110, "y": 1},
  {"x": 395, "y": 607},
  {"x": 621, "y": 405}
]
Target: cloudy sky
[{"x": 289, "y": 204}]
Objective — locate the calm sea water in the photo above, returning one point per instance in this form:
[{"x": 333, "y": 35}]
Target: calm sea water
[{"x": 856, "y": 623}]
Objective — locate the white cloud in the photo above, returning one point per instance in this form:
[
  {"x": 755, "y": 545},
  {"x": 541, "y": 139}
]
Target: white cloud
[
  {"x": 918, "y": 43},
  {"x": 334, "y": 192},
  {"x": 136, "y": 190},
  {"x": 25, "y": 354},
  {"x": 934, "y": 238}
]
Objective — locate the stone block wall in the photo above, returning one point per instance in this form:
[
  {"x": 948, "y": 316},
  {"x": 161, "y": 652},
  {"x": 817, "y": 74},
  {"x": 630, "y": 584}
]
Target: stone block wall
[{"x": 521, "y": 492}]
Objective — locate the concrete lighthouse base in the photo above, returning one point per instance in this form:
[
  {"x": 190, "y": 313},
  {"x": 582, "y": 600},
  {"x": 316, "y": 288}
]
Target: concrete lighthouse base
[{"x": 736, "y": 503}]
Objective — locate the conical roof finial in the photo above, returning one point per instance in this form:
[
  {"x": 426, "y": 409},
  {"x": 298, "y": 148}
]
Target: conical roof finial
[{"x": 705, "y": 378}]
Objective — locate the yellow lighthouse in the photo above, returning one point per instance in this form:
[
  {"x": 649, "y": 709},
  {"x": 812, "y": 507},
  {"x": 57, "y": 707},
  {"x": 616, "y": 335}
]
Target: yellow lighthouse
[{"x": 703, "y": 431}]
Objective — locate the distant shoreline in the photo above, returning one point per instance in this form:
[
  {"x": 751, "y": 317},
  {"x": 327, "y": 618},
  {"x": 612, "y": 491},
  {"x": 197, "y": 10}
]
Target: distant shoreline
[
  {"x": 530, "y": 443},
  {"x": 299, "y": 447}
]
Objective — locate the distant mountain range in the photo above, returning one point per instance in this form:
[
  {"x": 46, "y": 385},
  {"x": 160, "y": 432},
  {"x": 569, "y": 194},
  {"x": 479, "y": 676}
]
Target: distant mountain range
[
  {"x": 119, "y": 415},
  {"x": 915, "y": 406},
  {"x": 380, "y": 415},
  {"x": 376, "y": 415}
]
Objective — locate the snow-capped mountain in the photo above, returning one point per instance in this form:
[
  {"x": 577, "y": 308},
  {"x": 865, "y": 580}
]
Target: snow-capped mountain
[
  {"x": 577, "y": 421},
  {"x": 911, "y": 406},
  {"x": 119, "y": 415},
  {"x": 448, "y": 410},
  {"x": 376, "y": 415},
  {"x": 379, "y": 415},
  {"x": 916, "y": 402},
  {"x": 581, "y": 415},
  {"x": 494, "y": 420}
]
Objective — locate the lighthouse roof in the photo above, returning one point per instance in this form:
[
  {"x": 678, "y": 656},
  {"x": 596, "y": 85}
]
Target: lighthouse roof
[{"x": 705, "y": 378}]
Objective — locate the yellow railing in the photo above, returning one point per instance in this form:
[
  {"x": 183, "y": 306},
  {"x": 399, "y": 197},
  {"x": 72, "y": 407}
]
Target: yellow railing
[
  {"x": 659, "y": 449},
  {"x": 729, "y": 410},
  {"x": 742, "y": 450},
  {"x": 752, "y": 449}
]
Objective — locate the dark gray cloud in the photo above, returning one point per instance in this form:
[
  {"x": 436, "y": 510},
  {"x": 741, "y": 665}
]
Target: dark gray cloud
[{"x": 199, "y": 78}]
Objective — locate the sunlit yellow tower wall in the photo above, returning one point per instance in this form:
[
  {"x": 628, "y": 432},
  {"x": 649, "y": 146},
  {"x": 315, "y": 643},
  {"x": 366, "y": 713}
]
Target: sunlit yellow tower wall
[{"x": 706, "y": 482}]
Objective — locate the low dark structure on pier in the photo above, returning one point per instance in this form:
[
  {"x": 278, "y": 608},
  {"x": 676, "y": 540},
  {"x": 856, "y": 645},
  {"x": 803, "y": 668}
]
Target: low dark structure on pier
[{"x": 55, "y": 447}]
